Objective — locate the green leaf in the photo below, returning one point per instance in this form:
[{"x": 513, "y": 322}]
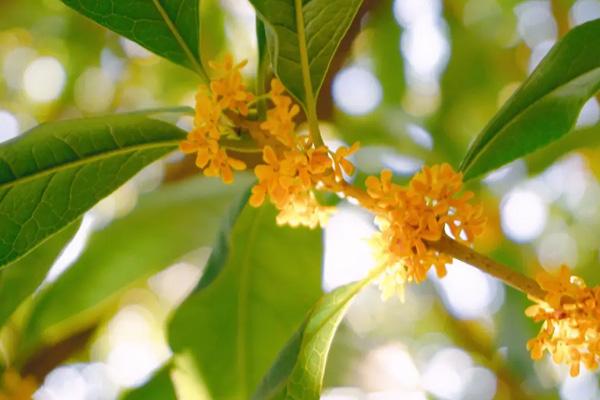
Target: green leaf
[
  {"x": 298, "y": 371},
  {"x": 21, "y": 278},
  {"x": 54, "y": 173},
  {"x": 159, "y": 387},
  {"x": 262, "y": 280},
  {"x": 303, "y": 44},
  {"x": 588, "y": 137},
  {"x": 169, "y": 28},
  {"x": 545, "y": 107},
  {"x": 166, "y": 225},
  {"x": 262, "y": 67}
]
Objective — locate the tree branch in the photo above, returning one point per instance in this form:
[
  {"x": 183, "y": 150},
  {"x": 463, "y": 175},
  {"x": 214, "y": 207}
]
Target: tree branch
[{"x": 506, "y": 274}]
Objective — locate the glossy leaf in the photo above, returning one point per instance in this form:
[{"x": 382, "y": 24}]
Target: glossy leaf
[
  {"x": 54, "y": 173},
  {"x": 299, "y": 369},
  {"x": 165, "y": 226},
  {"x": 20, "y": 279},
  {"x": 159, "y": 387},
  {"x": 545, "y": 107},
  {"x": 169, "y": 28},
  {"x": 322, "y": 24},
  {"x": 260, "y": 282}
]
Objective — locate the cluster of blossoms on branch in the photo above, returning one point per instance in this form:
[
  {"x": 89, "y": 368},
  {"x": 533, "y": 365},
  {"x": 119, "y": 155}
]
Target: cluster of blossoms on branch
[
  {"x": 570, "y": 312},
  {"x": 294, "y": 167},
  {"x": 410, "y": 217}
]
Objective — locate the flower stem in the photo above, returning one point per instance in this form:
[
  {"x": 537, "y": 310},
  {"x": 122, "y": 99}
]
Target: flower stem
[
  {"x": 489, "y": 266},
  {"x": 310, "y": 102}
]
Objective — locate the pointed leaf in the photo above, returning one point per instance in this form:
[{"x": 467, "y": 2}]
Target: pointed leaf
[
  {"x": 263, "y": 279},
  {"x": 319, "y": 29},
  {"x": 54, "y": 173},
  {"x": 546, "y": 106},
  {"x": 168, "y": 28},
  {"x": 165, "y": 226},
  {"x": 299, "y": 369}
]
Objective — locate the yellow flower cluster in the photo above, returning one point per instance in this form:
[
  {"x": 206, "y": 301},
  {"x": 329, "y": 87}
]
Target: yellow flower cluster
[
  {"x": 227, "y": 94},
  {"x": 15, "y": 387},
  {"x": 410, "y": 217},
  {"x": 294, "y": 167},
  {"x": 570, "y": 312}
]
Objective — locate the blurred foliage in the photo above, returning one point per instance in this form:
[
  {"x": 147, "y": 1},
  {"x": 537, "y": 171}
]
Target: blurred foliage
[{"x": 261, "y": 282}]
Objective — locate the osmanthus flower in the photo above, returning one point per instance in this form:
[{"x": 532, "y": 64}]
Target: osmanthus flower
[
  {"x": 304, "y": 210},
  {"x": 222, "y": 165},
  {"x": 570, "y": 313},
  {"x": 289, "y": 179},
  {"x": 207, "y": 116},
  {"x": 280, "y": 119},
  {"x": 340, "y": 161},
  {"x": 228, "y": 88},
  {"x": 275, "y": 179},
  {"x": 226, "y": 93},
  {"x": 408, "y": 218}
]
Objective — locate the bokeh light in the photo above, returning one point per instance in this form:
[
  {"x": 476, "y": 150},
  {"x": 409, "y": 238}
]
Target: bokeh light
[
  {"x": 356, "y": 91},
  {"x": 9, "y": 126},
  {"x": 523, "y": 215},
  {"x": 584, "y": 11},
  {"x": 348, "y": 256},
  {"x": 468, "y": 293},
  {"x": 94, "y": 91},
  {"x": 535, "y": 22},
  {"x": 44, "y": 79}
]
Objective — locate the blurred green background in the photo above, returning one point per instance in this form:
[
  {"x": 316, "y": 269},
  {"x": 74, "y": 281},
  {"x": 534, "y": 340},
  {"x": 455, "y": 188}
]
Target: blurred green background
[{"x": 414, "y": 82}]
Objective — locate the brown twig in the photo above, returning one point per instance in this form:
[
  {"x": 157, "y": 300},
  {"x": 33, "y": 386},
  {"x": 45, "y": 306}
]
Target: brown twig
[{"x": 506, "y": 274}]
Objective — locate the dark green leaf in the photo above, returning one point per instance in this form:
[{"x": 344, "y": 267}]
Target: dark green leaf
[
  {"x": 165, "y": 226},
  {"x": 545, "y": 107},
  {"x": 159, "y": 387},
  {"x": 263, "y": 67},
  {"x": 298, "y": 371},
  {"x": 20, "y": 279},
  {"x": 54, "y": 173},
  {"x": 268, "y": 277},
  {"x": 322, "y": 24},
  {"x": 168, "y": 28}
]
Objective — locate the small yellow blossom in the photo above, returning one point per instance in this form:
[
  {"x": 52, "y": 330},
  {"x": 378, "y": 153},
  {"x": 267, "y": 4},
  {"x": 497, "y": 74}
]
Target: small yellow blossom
[
  {"x": 570, "y": 314},
  {"x": 15, "y": 387},
  {"x": 208, "y": 116},
  {"x": 205, "y": 149},
  {"x": 227, "y": 93},
  {"x": 304, "y": 210},
  {"x": 410, "y": 217},
  {"x": 280, "y": 119},
  {"x": 341, "y": 164},
  {"x": 229, "y": 89},
  {"x": 275, "y": 178},
  {"x": 222, "y": 165},
  {"x": 288, "y": 181}
]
